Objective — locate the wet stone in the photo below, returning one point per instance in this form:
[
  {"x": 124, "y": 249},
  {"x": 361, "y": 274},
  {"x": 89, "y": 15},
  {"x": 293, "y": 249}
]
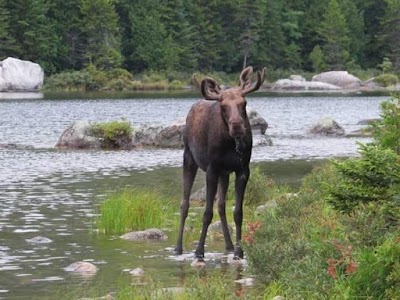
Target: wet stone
[
  {"x": 82, "y": 267},
  {"x": 148, "y": 234},
  {"x": 39, "y": 240}
]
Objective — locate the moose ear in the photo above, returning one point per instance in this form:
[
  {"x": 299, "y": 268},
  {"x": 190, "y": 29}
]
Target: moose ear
[
  {"x": 210, "y": 89},
  {"x": 245, "y": 81}
]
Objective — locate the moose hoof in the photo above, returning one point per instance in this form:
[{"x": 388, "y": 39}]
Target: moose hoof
[
  {"x": 238, "y": 254},
  {"x": 178, "y": 251}
]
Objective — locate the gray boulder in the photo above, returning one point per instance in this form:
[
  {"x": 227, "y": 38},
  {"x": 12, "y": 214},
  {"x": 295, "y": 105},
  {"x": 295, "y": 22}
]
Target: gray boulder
[
  {"x": 327, "y": 126},
  {"x": 297, "y": 78},
  {"x": 82, "y": 267},
  {"x": 339, "y": 78},
  {"x": 159, "y": 137},
  {"x": 20, "y": 75},
  {"x": 148, "y": 234},
  {"x": 256, "y": 121},
  {"x": 81, "y": 135},
  {"x": 299, "y": 85}
]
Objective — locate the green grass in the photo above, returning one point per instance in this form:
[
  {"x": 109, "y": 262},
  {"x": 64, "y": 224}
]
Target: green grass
[
  {"x": 133, "y": 209},
  {"x": 115, "y": 134}
]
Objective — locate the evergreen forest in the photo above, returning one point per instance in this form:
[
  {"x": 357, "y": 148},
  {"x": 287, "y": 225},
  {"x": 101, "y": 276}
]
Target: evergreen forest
[{"x": 212, "y": 35}]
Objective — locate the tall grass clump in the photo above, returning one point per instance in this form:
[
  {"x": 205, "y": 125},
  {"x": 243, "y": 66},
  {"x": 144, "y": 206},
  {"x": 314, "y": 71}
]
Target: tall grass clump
[{"x": 133, "y": 209}]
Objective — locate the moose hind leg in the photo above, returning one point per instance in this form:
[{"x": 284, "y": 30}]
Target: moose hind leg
[
  {"x": 222, "y": 191},
  {"x": 189, "y": 173},
  {"x": 240, "y": 186}
]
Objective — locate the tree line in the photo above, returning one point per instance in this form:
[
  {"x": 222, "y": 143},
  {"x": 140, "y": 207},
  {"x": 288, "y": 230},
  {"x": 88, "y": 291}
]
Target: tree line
[{"x": 205, "y": 35}]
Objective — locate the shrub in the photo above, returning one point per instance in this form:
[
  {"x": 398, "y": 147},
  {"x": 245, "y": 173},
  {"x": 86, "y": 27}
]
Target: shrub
[
  {"x": 71, "y": 81},
  {"x": 115, "y": 134},
  {"x": 374, "y": 177},
  {"x": 132, "y": 209},
  {"x": 386, "y": 131},
  {"x": 377, "y": 275},
  {"x": 387, "y": 79}
]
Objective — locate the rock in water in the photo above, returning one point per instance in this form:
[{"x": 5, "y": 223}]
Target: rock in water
[
  {"x": 327, "y": 126},
  {"x": 20, "y": 75},
  {"x": 82, "y": 267}
]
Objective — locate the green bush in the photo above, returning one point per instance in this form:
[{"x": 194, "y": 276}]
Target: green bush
[
  {"x": 387, "y": 79},
  {"x": 386, "y": 131},
  {"x": 377, "y": 275},
  {"x": 132, "y": 209},
  {"x": 71, "y": 81},
  {"x": 374, "y": 177},
  {"x": 115, "y": 134}
]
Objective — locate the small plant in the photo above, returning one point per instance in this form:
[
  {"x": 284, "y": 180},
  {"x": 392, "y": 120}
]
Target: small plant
[
  {"x": 387, "y": 79},
  {"x": 115, "y": 134},
  {"x": 132, "y": 210}
]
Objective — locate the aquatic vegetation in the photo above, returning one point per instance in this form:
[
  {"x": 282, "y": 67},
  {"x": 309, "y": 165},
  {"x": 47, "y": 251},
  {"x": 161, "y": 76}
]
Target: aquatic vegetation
[{"x": 133, "y": 209}]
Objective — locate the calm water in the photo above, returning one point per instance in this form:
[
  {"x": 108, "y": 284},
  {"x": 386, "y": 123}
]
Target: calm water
[{"x": 54, "y": 193}]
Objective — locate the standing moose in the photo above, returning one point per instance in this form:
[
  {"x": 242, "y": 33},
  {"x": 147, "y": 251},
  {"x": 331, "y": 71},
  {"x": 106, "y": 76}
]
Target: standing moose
[{"x": 218, "y": 139}]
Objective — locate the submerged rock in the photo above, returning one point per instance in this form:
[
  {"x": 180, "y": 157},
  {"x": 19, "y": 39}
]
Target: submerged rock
[
  {"x": 82, "y": 267},
  {"x": 39, "y": 240},
  {"x": 327, "y": 126},
  {"x": 137, "y": 272},
  {"x": 148, "y": 234},
  {"x": 20, "y": 75}
]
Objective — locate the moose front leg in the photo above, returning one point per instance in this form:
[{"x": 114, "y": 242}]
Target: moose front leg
[
  {"x": 240, "y": 186},
  {"x": 211, "y": 185},
  {"x": 222, "y": 191}
]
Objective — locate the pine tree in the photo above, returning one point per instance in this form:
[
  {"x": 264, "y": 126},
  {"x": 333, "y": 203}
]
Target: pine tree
[
  {"x": 7, "y": 43},
  {"x": 66, "y": 16},
  {"x": 333, "y": 32},
  {"x": 100, "y": 25},
  {"x": 33, "y": 32},
  {"x": 391, "y": 32}
]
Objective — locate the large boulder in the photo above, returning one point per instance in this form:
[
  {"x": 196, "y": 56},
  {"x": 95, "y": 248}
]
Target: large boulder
[
  {"x": 159, "y": 137},
  {"x": 82, "y": 135},
  {"x": 301, "y": 85},
  {"x": 327, "y": 126},
  {"x": 20, "y": 75},
  {"x": 339, "y": 78},
  {"x": 256, "y": 121}
]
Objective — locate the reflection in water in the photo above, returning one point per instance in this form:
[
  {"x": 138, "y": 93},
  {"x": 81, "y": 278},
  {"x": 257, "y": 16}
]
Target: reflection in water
[{"x": 55, "y": 194}]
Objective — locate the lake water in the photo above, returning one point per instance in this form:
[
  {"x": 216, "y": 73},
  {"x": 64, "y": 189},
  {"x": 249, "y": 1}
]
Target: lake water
[{"x": 55, "y": 193}]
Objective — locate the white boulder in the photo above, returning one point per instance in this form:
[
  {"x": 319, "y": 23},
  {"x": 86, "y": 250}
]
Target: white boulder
[
  {"x": 20, "y": 75},
  {"x": 339, "y": 78}
]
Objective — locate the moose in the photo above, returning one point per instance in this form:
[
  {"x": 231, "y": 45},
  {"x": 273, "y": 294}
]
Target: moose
[{"x": 218, "y": 139}]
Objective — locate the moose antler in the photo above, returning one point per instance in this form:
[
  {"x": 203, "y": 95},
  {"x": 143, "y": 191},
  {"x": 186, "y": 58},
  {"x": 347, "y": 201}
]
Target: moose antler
[{"x": 245, "y": 82}]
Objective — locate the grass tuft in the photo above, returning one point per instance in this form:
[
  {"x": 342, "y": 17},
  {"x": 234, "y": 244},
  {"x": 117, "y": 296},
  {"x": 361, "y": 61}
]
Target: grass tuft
[{"x": 133, "y": 209}]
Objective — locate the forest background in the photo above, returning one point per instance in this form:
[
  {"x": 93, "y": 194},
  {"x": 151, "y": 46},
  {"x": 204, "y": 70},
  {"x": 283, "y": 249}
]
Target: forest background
[{"x": 212, "y": 35}]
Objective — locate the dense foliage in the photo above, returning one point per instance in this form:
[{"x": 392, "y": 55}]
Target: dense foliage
[
  {"x": 201, "y": 35},
  {"x": 339, "y": 239}
]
